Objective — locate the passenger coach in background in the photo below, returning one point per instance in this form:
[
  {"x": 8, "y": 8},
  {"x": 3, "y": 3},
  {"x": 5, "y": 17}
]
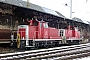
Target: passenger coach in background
[{"x": 5, "y": 36}]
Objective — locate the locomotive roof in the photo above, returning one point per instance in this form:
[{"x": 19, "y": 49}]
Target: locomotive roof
[{"x": 21, "y": 3}]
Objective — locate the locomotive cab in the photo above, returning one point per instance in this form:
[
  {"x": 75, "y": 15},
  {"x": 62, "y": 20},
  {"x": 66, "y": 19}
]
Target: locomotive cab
[
  {"x": 70, "y": 35},
  {"x": 26, "y": 33}
]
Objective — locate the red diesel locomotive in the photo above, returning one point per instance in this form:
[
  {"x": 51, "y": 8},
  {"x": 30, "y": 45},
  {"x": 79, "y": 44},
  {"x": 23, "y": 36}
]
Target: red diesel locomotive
[{"x": 39, "y": 34}]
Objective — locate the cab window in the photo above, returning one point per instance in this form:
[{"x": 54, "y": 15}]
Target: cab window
[
  {"x": 45, "y": 25},
  {"x": 41, "y": 25},
  {"x": 35, "y": 23}
]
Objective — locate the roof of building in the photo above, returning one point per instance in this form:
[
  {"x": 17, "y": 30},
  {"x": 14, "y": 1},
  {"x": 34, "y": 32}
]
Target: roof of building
[
  {"x": 32, "y": 6},
  {"x": 21, "y": 3},
  {"x": 80, "y": 20},
  {"x": 88, "y": 22},
  {"x": 77, "y": 19}
]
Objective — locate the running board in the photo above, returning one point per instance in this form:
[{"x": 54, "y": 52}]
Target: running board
[{"x": 29, "y": 46}]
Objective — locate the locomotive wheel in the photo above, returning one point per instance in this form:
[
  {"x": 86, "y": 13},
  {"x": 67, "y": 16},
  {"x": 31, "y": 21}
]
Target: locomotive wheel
[
  {"x": 63, "y": 39},
  {"x": 37, "y": 45},
  {"x": 21, "y": 45},
  {"x": 18, "y": 41},
  {"x": 18, "y": 44}
]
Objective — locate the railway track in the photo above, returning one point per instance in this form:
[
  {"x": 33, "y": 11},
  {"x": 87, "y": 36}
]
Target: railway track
[{"x": 57, "y": 53}]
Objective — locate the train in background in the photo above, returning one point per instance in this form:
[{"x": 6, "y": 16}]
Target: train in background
[
  {"x": 39, "y": 34},
  {"x": 5, "y": 36}
]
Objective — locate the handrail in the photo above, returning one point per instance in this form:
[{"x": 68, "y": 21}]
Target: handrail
[{"x": 34, "y": 37}]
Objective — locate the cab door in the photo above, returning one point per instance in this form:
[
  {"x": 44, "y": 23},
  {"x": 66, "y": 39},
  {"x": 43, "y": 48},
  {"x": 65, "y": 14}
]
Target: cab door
[
  {"x": 23, "y": 31},
  {"x": 45, "y": 30}
]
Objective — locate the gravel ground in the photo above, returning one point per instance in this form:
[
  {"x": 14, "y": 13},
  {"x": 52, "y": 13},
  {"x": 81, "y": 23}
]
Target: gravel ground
[{"x": 7, "y": 50}]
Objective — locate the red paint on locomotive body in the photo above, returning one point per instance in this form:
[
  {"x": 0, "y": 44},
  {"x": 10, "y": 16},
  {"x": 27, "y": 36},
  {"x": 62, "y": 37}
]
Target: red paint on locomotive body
[
  {"x": 22, "y": 33},
  {"x": 72, "y": 33},
  {"x": 53, "y": 33},
  {"x": 42, "y": 31},
  {"x": 32, "y": 32}
]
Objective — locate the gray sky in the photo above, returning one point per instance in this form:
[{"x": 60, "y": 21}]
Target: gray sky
[{"x": 79, "y": 7}]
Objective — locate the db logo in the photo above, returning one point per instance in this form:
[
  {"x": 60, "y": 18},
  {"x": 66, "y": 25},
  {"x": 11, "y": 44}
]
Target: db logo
[{"x": 46, "y": 33}]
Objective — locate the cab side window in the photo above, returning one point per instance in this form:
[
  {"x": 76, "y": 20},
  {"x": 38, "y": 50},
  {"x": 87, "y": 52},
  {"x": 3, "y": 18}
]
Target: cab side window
[
  {"x": 45, "y": 25},
  {"x": 35, "y": 23}
]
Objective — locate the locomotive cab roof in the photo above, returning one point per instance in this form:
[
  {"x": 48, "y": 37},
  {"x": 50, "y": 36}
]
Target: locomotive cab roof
[{"x": 35, "y": 22}]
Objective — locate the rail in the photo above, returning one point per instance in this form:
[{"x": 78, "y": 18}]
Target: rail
[{"x": 56, "y": 53}]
